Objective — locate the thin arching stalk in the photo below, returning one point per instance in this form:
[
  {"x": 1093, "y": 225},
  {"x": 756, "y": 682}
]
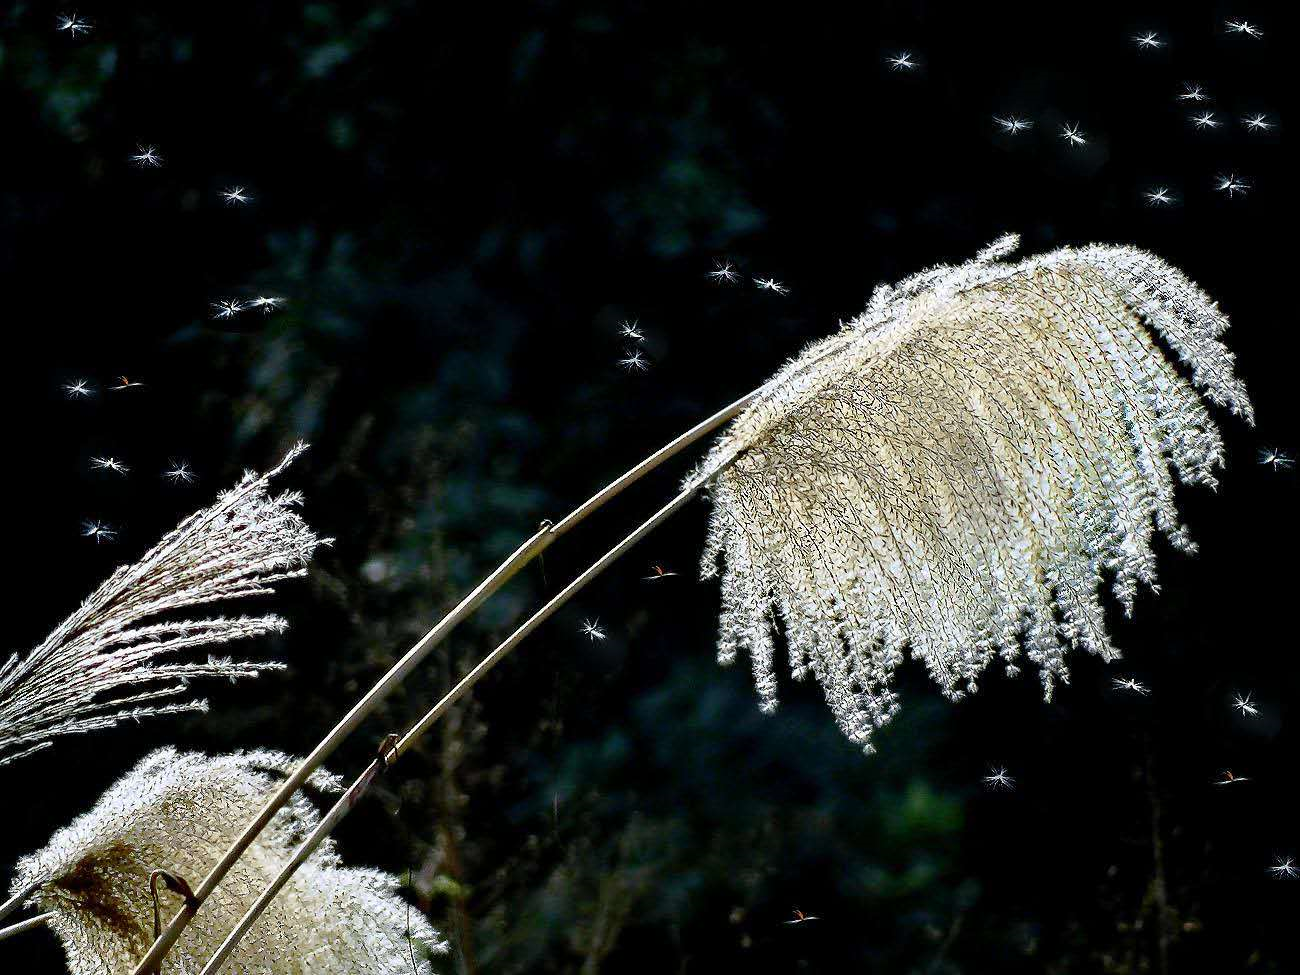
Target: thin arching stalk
[
  {"x": 391, "y": 751},
  {"x": 15, "y": 902},
  {"x": 529, "y": 550},
  {"x": 32, "y": 922}
]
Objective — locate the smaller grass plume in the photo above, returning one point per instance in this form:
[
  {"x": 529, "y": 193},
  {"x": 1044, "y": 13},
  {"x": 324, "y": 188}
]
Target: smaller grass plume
[
  {"x": 116, "y": 657},
  {"x": 178, "y": 811}
]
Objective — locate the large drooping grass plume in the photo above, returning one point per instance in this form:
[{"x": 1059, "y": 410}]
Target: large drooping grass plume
[
  {"x": 178, "y": 811},
  {"x": 957, "y": 472},
  {"x": 106, "y": 662},
  {"x": 955, "y": 475}
]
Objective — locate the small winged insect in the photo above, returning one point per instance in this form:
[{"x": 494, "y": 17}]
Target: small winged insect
[
  {"x": 724, "y": 272},
  {"x": 1243, "y": 27},
  {"x": 97, "y": 530},
  {"x": 1232, "y": 184},
  {"x": 658, "y": 572},
  {"x": 1205, "y": 120},
  {"x": 902, "y": 61},
  {"x": 1148, "y": 40},
  {"x": 1257, "y": 123},
  {"x": 630, "y": 330},
  {"x": 228, "y": 314},
  {"x": 74, "y": 24},
  {"x": 801, "y": 918},
  {"x": 771, "y": 284},
  {"x": 109, "y": 464},
  {"x": 1013, "y": 124},
  {"x": 1227, "y": 778},
  {"x": 1131, "y": 685},
  {"x": 235, "y": 196},
  {"x": 1071, "y": 134},
  {"x": 1245, "y": 705},
  {"x": 592, "y": 630},
  {"x": 1274, "y": 458},
  {"x": 179, "y": 473},
  {"x": 227, "y": 308},
  {"x": 264, "y": 303},
  {"x": 635, "y": 361},
  {"x": 125, "y": 382},
  {"x": 998, "y": 780},
  {"x": 1193, "y": 93},
  {"x": 1285, "y": 867},
  {"x": 79, "y": 389},
  {"x": 146, "y": 157},
  {"x": 1159, "y": 197}
]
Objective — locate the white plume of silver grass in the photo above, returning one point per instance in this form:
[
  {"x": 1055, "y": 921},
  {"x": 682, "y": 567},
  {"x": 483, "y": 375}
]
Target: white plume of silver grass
[
  {"x": 105, "y": 664},
  {"x": 959, "y": 469},
  {"x": 178, "y": 811}
]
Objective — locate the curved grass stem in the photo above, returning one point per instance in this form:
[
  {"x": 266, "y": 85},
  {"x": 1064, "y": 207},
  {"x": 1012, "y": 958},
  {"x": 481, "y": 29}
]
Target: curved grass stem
[
  {"x": 30, "y": 924},
  {"x": 529, "y": 550},
  {"x": 15, "y": 902}
]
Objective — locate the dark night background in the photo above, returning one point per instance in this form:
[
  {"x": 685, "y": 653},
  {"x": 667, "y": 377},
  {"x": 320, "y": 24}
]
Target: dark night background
[{"x": 459, "y": 205}]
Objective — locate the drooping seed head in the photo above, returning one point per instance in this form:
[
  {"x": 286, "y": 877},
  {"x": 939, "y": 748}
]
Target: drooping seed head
[{"x": 955, "y": 473}]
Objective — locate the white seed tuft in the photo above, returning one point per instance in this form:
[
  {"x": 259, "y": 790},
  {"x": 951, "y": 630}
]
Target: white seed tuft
[
  {"x": 957, "y": 472},
  {"x": 179, "y": 812}
]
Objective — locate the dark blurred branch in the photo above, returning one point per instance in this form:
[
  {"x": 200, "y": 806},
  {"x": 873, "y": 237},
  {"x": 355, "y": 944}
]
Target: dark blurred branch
[
  {"x": 453, "y": 751},
  {"x": 1157, "y": 892}
]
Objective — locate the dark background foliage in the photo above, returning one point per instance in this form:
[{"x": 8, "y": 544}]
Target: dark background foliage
[{"x": 460, "y": 204}]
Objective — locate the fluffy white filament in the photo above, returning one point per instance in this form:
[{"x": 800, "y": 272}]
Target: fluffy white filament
[
  {"x": 105, "y": 663},
  {"x": 957, "y": 472},
  {"x": 179, "y": 812}
]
